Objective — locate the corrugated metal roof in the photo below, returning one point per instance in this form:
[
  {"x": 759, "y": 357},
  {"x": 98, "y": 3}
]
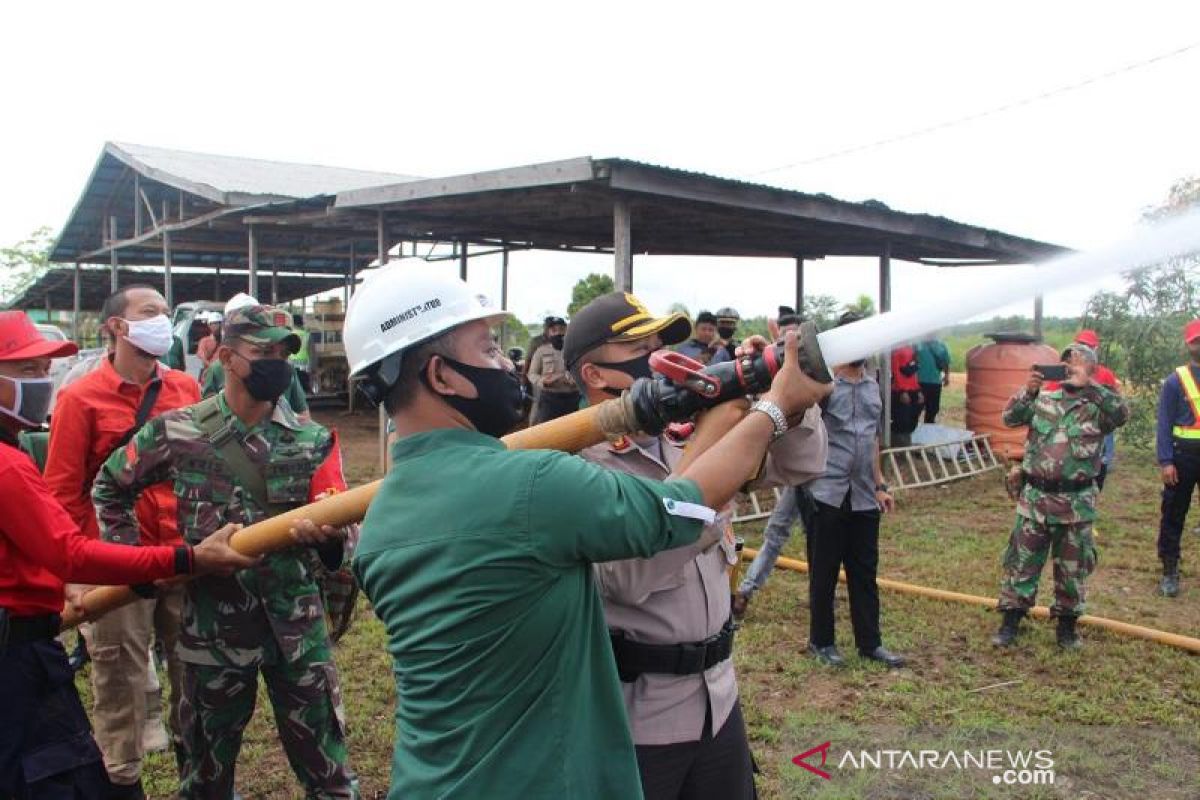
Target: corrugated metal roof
[{"x": 229, "y": 175}]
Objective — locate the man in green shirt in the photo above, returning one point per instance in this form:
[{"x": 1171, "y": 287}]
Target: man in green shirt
[
  {"x": 933, "y": 372},
  {"x": 478, "y": 559}
]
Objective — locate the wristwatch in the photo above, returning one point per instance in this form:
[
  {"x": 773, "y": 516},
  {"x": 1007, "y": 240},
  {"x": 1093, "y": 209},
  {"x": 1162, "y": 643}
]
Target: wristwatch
[
  {"x": 776, "y": 414},
  {"x": 882, "y": 487}
]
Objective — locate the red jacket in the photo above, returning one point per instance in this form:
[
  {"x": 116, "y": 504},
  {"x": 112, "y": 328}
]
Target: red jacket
[
  {"x": 90, "y": 417},
  {"x": 904, "y": 357},
  {"x": 41, "y": 548}
]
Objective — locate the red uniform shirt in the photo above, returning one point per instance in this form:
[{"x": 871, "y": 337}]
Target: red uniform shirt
[
  {"x": 207, "y": 349},
  {"x": 902, "y": 357},
  {"x": 90, "y": 417},
  {"x": 41, "y": 548}
]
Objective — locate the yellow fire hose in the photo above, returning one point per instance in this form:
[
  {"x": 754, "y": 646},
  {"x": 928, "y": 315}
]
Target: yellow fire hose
[
  {"x": 1041, "y": 612},
  {"x": 570, "y": 433}
]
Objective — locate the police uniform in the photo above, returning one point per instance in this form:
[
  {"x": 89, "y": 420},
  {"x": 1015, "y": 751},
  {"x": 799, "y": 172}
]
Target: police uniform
[
  {"x": 268, "y": 618},
  {"x": 555, "y": 401},
  {"x": 668, "y": 615},
  {"x": 1057, "y": 503}
]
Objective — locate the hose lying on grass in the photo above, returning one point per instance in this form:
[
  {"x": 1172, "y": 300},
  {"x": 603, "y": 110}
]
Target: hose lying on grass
[{"x": 1188, "y": 643}]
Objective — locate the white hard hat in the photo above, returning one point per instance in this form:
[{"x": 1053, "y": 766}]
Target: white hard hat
[
  {"x": 238, "y": 300},
  {"x": 402, "y": 306},
  {"x": 216, "y": 316}
]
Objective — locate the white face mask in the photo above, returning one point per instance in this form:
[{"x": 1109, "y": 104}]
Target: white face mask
[{"x": 150, "y": 335}]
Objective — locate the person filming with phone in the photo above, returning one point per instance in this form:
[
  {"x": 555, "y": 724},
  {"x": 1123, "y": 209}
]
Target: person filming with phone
[{"x": 1056, "y": 488}]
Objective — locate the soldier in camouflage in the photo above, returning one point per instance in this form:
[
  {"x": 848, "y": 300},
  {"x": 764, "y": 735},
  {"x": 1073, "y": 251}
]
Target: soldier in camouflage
[
  {"x": 268, "y": 618},
  {"x": 1057, "y": 501}
]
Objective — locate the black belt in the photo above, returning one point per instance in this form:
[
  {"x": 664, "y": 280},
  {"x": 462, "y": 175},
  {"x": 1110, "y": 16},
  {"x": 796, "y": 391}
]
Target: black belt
[
  {"x": 1058, "y": 487},
  {"x": 1186, "y": 445},
  {"x": 636, "y": 658},
  {"x": 23, "y": 630}
]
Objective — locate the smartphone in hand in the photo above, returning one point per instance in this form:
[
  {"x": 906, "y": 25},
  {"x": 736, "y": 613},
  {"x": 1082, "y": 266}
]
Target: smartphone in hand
[{"x": 1052, "y": 372}]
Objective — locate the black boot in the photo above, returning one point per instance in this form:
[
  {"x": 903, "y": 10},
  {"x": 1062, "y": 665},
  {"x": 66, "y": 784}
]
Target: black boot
[
  {"x": 1169, "y": 585},
  {"x": 1067, "y": 638},
  {"x": 1009, "y": 627}
]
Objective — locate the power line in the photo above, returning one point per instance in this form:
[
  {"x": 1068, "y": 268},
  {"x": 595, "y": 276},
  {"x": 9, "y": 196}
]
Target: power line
[{"x": 982, "y": 114}]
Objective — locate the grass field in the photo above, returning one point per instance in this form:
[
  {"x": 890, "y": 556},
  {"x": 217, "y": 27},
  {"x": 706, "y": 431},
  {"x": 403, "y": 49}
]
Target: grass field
[{"x": 1121, "y": 717}]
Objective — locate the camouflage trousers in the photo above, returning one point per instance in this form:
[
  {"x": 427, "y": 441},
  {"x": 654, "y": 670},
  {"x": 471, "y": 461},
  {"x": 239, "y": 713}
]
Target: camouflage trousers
[
  {"x": 1031, "y": 542},
  {"x": 219, "y": 701}
]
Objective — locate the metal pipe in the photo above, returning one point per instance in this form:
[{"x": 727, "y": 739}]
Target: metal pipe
[
  {"x": 168, "y": 283},
  {"x": 78, "y": 295},
  {"x": 114, "y": 280},
  {"x": 800, "y": 285}
]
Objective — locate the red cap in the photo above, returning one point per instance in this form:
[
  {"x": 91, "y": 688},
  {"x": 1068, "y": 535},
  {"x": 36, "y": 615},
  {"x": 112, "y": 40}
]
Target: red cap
[
  {"x": 1089, "y": 338},
  {"x": 19, "y": 340},
  {"x": 1192, "y": 331}
]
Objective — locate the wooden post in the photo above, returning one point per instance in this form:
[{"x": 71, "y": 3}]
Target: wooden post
[
  {"x": 1037, "y": 316},
  {"x": 462, "y": 260},
  {"x": 274, "y": 281},
  {"x": 504, "y": 294},
  {"x": 252, "y": 246},
  {"x": 137, "y": 204},
  {"x": 78, "y": 291},
  {"x": 800, "y": 285},
  {"x": 622, "y": 246},
  {"x": 114, "y": 281},
  {"x": 217, "y": 284},
  {"x": 885, "y": 369},
  {"x": 168, "y": 283},
  {"x": 381, "y": 236},
  {"x": 383, "y": 259},
  {"x": 349, "y": 281}
]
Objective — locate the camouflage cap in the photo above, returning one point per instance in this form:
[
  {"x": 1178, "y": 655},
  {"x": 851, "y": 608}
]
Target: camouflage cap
[{"x": 261, "y": 325}]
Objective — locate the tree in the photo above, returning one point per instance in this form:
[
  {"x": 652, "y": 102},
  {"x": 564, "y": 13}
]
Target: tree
[
  {"x": 863, "y": 305},
  {"x": 1140, "y": 327},
  {"x": 821, "y": 309},
  {"x": 679, "y": 308},
  {"x": 588, "y": 289},
  {"x": 24, "y": 262}
]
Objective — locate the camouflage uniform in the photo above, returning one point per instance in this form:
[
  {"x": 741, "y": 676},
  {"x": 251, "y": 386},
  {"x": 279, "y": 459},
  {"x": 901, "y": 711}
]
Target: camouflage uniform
[
  {"x": 268, "y": 618},
  {"x": 1066, "y": 442}
]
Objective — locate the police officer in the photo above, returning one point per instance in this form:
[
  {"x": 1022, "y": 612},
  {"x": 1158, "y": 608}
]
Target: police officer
[
  {"x": 669, "y": 615},
  {"x": 555, "y": 393},
  {"x": 727, "y": 325},
  {"x": 1057, "y": 502},
  {"x": 46, "y": 747},
  {"x": 1178, "y": 446},
  {"x": 242, "y": 456},
  {"x": 705, "y": 346},
  {"x": 478, "y": 559}
]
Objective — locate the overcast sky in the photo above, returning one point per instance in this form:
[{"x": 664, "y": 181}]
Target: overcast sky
[{"x": 730, "y": 89}]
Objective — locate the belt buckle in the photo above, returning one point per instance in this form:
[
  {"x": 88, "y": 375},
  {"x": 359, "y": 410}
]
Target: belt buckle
[{"x": 691, "y": 659}]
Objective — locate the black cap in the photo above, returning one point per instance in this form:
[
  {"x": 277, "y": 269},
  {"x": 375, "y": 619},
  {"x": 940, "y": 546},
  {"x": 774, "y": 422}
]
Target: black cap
[
  {"x": 618, "y": 317},
  {"x": 552, "y": 320},
  {"x": 706, "y": 316},
  {"x": 788, "y": 316}
]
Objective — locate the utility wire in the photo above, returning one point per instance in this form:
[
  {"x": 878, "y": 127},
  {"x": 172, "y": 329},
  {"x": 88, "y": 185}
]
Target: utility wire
[{"x": 982, "y": 114}]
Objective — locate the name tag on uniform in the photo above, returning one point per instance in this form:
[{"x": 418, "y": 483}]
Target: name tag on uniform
[{"x": 679, "y": 508}]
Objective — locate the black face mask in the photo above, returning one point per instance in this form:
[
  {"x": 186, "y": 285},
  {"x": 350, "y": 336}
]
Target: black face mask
[
  {"x": 269, "y": 378},
  {"x": 501, "y": 396},
  {"x": 726, "y": 333},
  {"x": 557, "y": 341},
  {"x": 635, "y": 368}
]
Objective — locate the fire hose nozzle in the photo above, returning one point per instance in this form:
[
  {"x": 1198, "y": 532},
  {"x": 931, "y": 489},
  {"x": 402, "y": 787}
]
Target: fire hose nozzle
[{"x": 684, "y": 387}]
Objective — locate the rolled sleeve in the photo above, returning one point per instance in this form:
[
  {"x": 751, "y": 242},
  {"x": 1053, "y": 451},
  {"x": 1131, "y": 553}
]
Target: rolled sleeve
[{"x": 581, "y": 512}]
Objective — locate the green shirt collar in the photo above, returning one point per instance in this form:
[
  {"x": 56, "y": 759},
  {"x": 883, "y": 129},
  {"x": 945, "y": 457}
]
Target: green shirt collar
[
  {"x": 281, "y": 415},
  {"x": 426, "y": 441}
]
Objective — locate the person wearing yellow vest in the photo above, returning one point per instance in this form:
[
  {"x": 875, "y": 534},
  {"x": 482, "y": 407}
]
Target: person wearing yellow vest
[
  {"x": 1178, "y": 442},
  {"x": 299, "y": 359}
]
